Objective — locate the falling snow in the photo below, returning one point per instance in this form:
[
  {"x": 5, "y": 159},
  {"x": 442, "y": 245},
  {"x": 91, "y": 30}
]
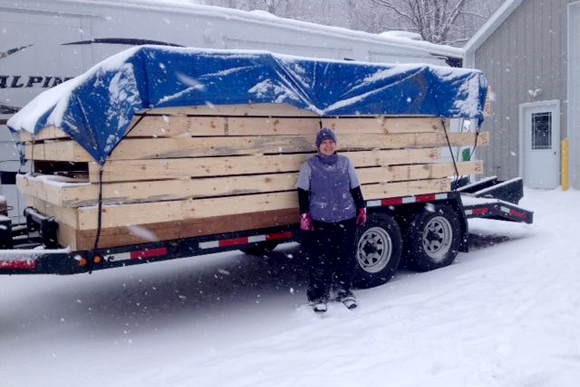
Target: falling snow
[{"x": 505, "y": 314}]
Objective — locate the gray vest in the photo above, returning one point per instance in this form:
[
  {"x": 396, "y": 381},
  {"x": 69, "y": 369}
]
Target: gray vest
[{"x": 330, "y": 197}]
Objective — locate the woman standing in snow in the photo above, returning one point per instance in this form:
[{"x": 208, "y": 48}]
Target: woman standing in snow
[{"x": 331, "y": 205}]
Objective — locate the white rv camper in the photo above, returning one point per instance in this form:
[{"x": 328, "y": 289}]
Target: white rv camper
[{"x": 43, "y": 43}]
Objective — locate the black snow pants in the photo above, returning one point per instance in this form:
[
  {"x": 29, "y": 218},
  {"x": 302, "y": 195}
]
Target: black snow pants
[{"x": 331, "y": 258}]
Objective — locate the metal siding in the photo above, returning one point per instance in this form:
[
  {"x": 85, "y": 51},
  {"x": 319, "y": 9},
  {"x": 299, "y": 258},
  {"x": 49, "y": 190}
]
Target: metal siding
[
  {"x": 503, "y": 130},
  {"x": 527, "y": 52},
  {"x": 506, "y": 163},
  {"x": 486, "y": 63},
  {"x": 574, "y": 95},
  {"x": 522, "y": 80},
  {"x": 562, "y": 62}
]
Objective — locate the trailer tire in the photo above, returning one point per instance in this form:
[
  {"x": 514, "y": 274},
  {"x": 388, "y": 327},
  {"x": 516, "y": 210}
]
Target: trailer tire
[
  {"x": 260, "y": 249},
  {"x": 433, "y": 238},
  {"x": 378, "y": 251}
]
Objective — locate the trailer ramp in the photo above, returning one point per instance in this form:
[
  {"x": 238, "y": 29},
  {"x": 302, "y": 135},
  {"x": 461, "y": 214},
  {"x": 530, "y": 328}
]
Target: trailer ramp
[{"x": 494, "y": 199}]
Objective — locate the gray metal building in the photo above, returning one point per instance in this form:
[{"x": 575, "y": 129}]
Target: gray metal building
[{"x": 530, "y": 53}]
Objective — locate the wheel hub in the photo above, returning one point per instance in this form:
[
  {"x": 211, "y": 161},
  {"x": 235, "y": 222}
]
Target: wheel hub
[
  {"x": 370, "y": 249},
  {"x": 437, "y": 238},
  {"x": 374, "y": 249}
]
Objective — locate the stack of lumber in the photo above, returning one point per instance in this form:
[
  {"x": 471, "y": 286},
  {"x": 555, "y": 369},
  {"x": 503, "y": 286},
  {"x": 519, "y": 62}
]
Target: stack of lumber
[{"x": 205, "y": 170}]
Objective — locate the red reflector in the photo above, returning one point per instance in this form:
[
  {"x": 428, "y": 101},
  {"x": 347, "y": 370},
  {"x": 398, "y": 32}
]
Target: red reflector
[
  {"x": 18, "y": 265},
  {"x": 149, "y": 253},
  {"x": 425, "y": 198},
  {"x": 234, "y": 242},
  {"x": 280, "y": 235},
  {"x": 480, "y": 211},
  {"x": 391, "y": 202}
]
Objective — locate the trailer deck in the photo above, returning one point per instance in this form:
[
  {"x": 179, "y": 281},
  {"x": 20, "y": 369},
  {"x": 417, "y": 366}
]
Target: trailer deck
[{"x": 42, "y": 260}]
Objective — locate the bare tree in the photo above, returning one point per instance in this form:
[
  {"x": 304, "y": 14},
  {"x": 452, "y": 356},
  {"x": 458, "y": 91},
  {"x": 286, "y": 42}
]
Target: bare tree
[
  {"x": 432, "y": 19},
  {"x": 365, "y": 15},
  {"x": 273, "y": 6},
  {"x": 438, "y": 21}
]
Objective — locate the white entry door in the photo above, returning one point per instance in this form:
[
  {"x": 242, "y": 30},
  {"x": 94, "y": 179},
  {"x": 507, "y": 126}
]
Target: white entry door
[{"x": 541, "y": 143}]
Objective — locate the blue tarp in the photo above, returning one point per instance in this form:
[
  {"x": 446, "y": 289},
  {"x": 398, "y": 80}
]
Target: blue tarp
[{"x": 96, "y": 108}]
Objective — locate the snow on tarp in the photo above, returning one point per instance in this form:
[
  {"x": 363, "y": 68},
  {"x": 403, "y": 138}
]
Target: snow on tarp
[{"x": 96, "y": 108}]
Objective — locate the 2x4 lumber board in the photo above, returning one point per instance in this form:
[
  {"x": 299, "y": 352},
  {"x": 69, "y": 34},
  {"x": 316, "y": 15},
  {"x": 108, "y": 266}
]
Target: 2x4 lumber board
[
  {"x": 487, "y": 108},
  {"x": 405, "y": 188},
  {"x": 188, "y": 126},
  {"x": 258, "y": 109},
  {"x": 68, "y": 237},
  {"x": 396, "y": 173},
  {"x": 147, "y": 213},
  {"x": 124, "y": 236},
  {"x": 133, "y": 170},
  {"x": 48, "y": 133},
  {"x": 385, "y": 125},
  {"x": 342, "y": 126},
  {"x": 179, "y": 126},
  {"x": 77, "y": 195},
  {"x": 67, "y": 150},
  {"x": 53, "y": 192},
  {"x": 161, "y": 148},
  {"x": 67, "y": 216},
  {"x": 245, "y": 126}
]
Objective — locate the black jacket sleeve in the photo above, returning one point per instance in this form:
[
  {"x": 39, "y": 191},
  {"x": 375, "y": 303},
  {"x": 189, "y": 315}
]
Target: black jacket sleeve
[
  {"x": 357, "y": 195},
  {"x": 303, "y": 200}
]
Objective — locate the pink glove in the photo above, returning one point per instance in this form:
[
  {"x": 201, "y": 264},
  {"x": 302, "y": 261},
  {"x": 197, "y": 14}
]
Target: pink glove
[
  {"x": 306, "y": 222},
  {"x": 361, "y": 218}
]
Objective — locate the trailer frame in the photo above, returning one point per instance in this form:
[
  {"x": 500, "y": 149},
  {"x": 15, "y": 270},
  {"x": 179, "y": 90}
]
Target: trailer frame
[{"x": 38, "y": 253}]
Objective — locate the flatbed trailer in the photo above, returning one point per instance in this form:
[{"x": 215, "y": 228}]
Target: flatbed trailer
[
  {"x": 427, "y": 230},
  {"x": 198, "y": 152}
]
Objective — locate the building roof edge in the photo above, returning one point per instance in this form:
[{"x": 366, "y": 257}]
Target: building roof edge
[{"x": 492, "y": 24}]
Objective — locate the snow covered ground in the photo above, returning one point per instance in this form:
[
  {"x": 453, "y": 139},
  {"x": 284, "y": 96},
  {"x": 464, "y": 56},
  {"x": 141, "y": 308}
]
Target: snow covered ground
[{"x": 505, "y": 314}]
